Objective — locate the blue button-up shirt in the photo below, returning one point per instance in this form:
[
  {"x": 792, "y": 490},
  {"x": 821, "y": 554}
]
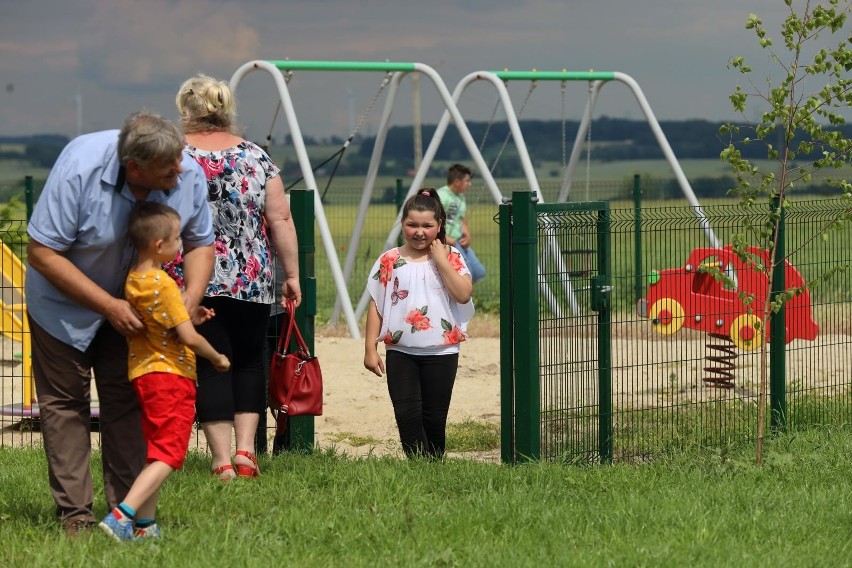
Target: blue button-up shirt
[{"x": 82, "y": 214}]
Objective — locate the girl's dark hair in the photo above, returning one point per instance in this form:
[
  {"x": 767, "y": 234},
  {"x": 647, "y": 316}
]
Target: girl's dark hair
[{"x": 426, "y": 199}]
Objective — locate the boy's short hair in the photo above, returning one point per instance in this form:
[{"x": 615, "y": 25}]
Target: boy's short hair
[
  {"x": 150, "y": 221},
  {"x": 457, "y": 171}
]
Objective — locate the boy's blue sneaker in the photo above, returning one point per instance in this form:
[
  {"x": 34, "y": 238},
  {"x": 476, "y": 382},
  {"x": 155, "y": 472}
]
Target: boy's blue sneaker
[
  {"x": 120, "y": 531},
  {"x": 151, "y": 532}
]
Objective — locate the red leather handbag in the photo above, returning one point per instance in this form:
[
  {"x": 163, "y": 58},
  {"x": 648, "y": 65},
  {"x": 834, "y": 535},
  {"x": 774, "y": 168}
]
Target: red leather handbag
[{"x": 295, "y": 378}]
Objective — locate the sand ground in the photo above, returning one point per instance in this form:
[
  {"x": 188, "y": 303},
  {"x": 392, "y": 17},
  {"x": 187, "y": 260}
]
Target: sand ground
[{"x": 648, "y": 371}]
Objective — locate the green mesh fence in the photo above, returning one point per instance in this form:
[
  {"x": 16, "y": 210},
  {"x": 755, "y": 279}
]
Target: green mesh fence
[
  {"x": 660, "y": 399},
  {"x": 17, "y": 393},
  {"x": 686, "y": 374}
]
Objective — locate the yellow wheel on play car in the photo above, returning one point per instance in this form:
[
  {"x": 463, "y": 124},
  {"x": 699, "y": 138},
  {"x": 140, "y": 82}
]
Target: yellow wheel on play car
[
  {"x": 666, "y": 316},
  {"x": 747, "y": 332}
]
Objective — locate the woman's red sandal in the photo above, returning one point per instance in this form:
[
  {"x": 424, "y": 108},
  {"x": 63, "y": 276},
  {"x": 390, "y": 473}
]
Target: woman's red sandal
[
  {"x": 247, "y": 470},
  {"x": 220, "y": 472}
]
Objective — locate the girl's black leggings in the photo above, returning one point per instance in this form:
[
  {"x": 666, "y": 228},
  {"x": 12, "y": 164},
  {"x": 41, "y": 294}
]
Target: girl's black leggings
[{"x": 420, "y": 388}]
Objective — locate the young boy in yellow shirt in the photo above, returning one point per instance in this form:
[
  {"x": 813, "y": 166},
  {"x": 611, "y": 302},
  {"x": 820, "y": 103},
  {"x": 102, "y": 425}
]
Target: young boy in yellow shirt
[{"x": 161, "y": 364}]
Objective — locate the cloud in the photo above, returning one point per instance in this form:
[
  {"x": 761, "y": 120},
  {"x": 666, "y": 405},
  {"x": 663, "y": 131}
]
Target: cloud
[
  {"x": 163, "y": 42},
  {"x": 121, "y": 55}
]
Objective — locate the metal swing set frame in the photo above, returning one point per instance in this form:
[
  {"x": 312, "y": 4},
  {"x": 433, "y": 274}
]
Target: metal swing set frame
[
  {"x": 499, "y": 79},
  {"x": 396, "y": 72}
]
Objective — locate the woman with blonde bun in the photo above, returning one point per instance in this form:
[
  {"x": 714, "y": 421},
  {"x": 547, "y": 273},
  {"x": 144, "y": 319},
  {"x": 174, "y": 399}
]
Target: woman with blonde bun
[{"x": 252, "y": 222}]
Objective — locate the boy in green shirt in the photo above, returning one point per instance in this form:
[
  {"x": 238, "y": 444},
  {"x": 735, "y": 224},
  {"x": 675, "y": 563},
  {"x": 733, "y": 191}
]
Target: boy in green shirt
[{"x": 455, "y": 205}]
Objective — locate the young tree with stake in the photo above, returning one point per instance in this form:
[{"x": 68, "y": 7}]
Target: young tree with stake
[{"x": 800, "y": 113}]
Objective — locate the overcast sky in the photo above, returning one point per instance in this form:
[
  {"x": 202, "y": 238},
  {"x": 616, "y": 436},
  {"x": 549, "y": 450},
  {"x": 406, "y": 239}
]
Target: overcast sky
[{"x": 117, "y": 56}]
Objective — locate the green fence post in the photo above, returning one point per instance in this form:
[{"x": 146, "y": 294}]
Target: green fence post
[
  {"x": 28, "y": 195},
  {"x": 301, "y": 430},
  {"x": 604, "y": 335},
  {"x": 507, "y": 388},
  {"x": 638, "y": 279},
  {"x": 777, "y": 334},
  {"x": 525, "y": 317}
]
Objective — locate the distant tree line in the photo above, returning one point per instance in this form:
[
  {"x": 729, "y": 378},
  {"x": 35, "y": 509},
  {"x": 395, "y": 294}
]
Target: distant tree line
[
  {"x": 612, "y": 139},
  {"x": 39, "y": 150}
]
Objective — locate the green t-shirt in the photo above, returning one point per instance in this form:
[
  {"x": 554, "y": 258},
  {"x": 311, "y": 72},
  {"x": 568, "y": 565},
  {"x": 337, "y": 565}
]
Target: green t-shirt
[{"x": 456, "y": 208}]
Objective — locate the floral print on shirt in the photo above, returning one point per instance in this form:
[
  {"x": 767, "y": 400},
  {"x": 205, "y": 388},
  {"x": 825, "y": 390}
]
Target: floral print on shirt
[
  {"x": 415, "y": 306},
  {"x": 236, "y": 190}
]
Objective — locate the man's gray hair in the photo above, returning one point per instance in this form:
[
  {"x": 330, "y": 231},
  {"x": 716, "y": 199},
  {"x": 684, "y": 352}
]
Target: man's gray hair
[{"x": 147, "y": 137}]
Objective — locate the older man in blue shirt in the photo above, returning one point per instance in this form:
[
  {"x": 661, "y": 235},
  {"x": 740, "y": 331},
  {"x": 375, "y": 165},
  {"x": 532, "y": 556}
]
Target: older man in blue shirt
[{"x": 79, "y": 255}]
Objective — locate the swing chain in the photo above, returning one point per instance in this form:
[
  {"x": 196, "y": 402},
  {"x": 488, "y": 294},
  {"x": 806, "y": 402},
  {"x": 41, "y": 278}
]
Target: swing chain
[
  {"x": 369, "y": 109},
  {"x": 342, "y": 150},
  {"x": 564, "y": 141},
  {"x": 491, "y": 119},
  {"x": 287, "y": 76},
  {"x": 533, "y": 85}
]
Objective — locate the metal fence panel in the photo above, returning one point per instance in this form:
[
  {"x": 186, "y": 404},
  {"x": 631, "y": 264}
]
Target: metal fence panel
[{"x": 688, "y": 379}]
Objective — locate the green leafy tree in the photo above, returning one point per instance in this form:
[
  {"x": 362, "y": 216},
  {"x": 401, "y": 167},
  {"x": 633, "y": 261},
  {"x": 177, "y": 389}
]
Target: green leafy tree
[{"x": 799, "y": 128}]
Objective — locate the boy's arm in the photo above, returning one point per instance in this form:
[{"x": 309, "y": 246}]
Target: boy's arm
[
  {"x": 201, "y": 315},
  {"x": 464, "y": 239},
  {"x": 200, "y": 346}
]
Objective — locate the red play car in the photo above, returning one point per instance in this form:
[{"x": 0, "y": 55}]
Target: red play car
[{"x": 692, "y": 296}]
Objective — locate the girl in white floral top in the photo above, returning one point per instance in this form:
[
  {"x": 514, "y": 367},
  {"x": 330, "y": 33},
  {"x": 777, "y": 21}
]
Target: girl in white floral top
[{"x": 420, "y": 307}]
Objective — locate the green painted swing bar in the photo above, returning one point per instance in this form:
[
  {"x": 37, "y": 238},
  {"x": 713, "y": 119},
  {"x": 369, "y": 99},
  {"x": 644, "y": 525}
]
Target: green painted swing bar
[
  {"x": 287, "y": 65},
  {"x": 555, "y": 75}
]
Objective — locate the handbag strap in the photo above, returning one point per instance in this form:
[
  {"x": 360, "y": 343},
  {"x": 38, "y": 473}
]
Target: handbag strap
[
  {"x": 286, "y": 330},
  {"x": 290, "y": 324},
  {"x": 293, "y": 329}
]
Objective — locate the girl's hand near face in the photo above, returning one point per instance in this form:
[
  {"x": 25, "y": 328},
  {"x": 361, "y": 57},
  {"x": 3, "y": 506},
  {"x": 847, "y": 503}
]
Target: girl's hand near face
[
  {"x": 440, "y": 253},
  {"x": 458, "y": 287}
]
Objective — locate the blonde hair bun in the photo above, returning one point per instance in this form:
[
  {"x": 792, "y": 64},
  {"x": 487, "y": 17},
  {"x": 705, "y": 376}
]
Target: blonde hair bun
[{"x": 206, "y": 104}]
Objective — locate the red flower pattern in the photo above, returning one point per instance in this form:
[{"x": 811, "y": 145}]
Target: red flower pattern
[
  {"x": 418, "y": 320},
  {"x": 212, "y": 167},
  {"x": 453, "y": 336},
  {"x": 386, "y": 268},
  {"x": 456, "y": 261},
  {"x": 253, "y": 267}
]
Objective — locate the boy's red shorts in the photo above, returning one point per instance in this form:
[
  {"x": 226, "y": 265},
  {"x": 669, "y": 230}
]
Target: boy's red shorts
[{"x": 168, "y": 415}]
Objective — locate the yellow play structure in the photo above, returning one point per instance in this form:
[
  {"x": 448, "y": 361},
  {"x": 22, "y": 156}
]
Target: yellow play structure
[{"x": 14, "y": 325}]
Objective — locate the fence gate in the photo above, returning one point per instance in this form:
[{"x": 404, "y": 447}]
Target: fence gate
[{"x": 555, "y": 324}]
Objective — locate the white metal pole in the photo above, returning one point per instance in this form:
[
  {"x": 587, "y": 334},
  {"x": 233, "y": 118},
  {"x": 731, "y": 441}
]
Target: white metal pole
[
  {"x": 670, "y": 157},
  {"x": 369, "y": 184},
  {"x": 310, "y": 181}
]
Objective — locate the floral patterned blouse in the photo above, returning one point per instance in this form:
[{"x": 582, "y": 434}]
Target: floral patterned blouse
[
  {"x": 418, "y": 315},
  {"x": 236, "y": 187}
]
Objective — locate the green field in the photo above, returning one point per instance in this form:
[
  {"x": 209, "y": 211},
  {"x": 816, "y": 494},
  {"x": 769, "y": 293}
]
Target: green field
[
  {"x": 14, "y": 171},
  {"x": 342, "y": 198},
  {"x": 813, "y": 257}
]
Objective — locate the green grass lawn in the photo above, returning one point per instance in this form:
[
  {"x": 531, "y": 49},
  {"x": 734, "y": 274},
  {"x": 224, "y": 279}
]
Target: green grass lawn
[{"x": 702, "y": 508}]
